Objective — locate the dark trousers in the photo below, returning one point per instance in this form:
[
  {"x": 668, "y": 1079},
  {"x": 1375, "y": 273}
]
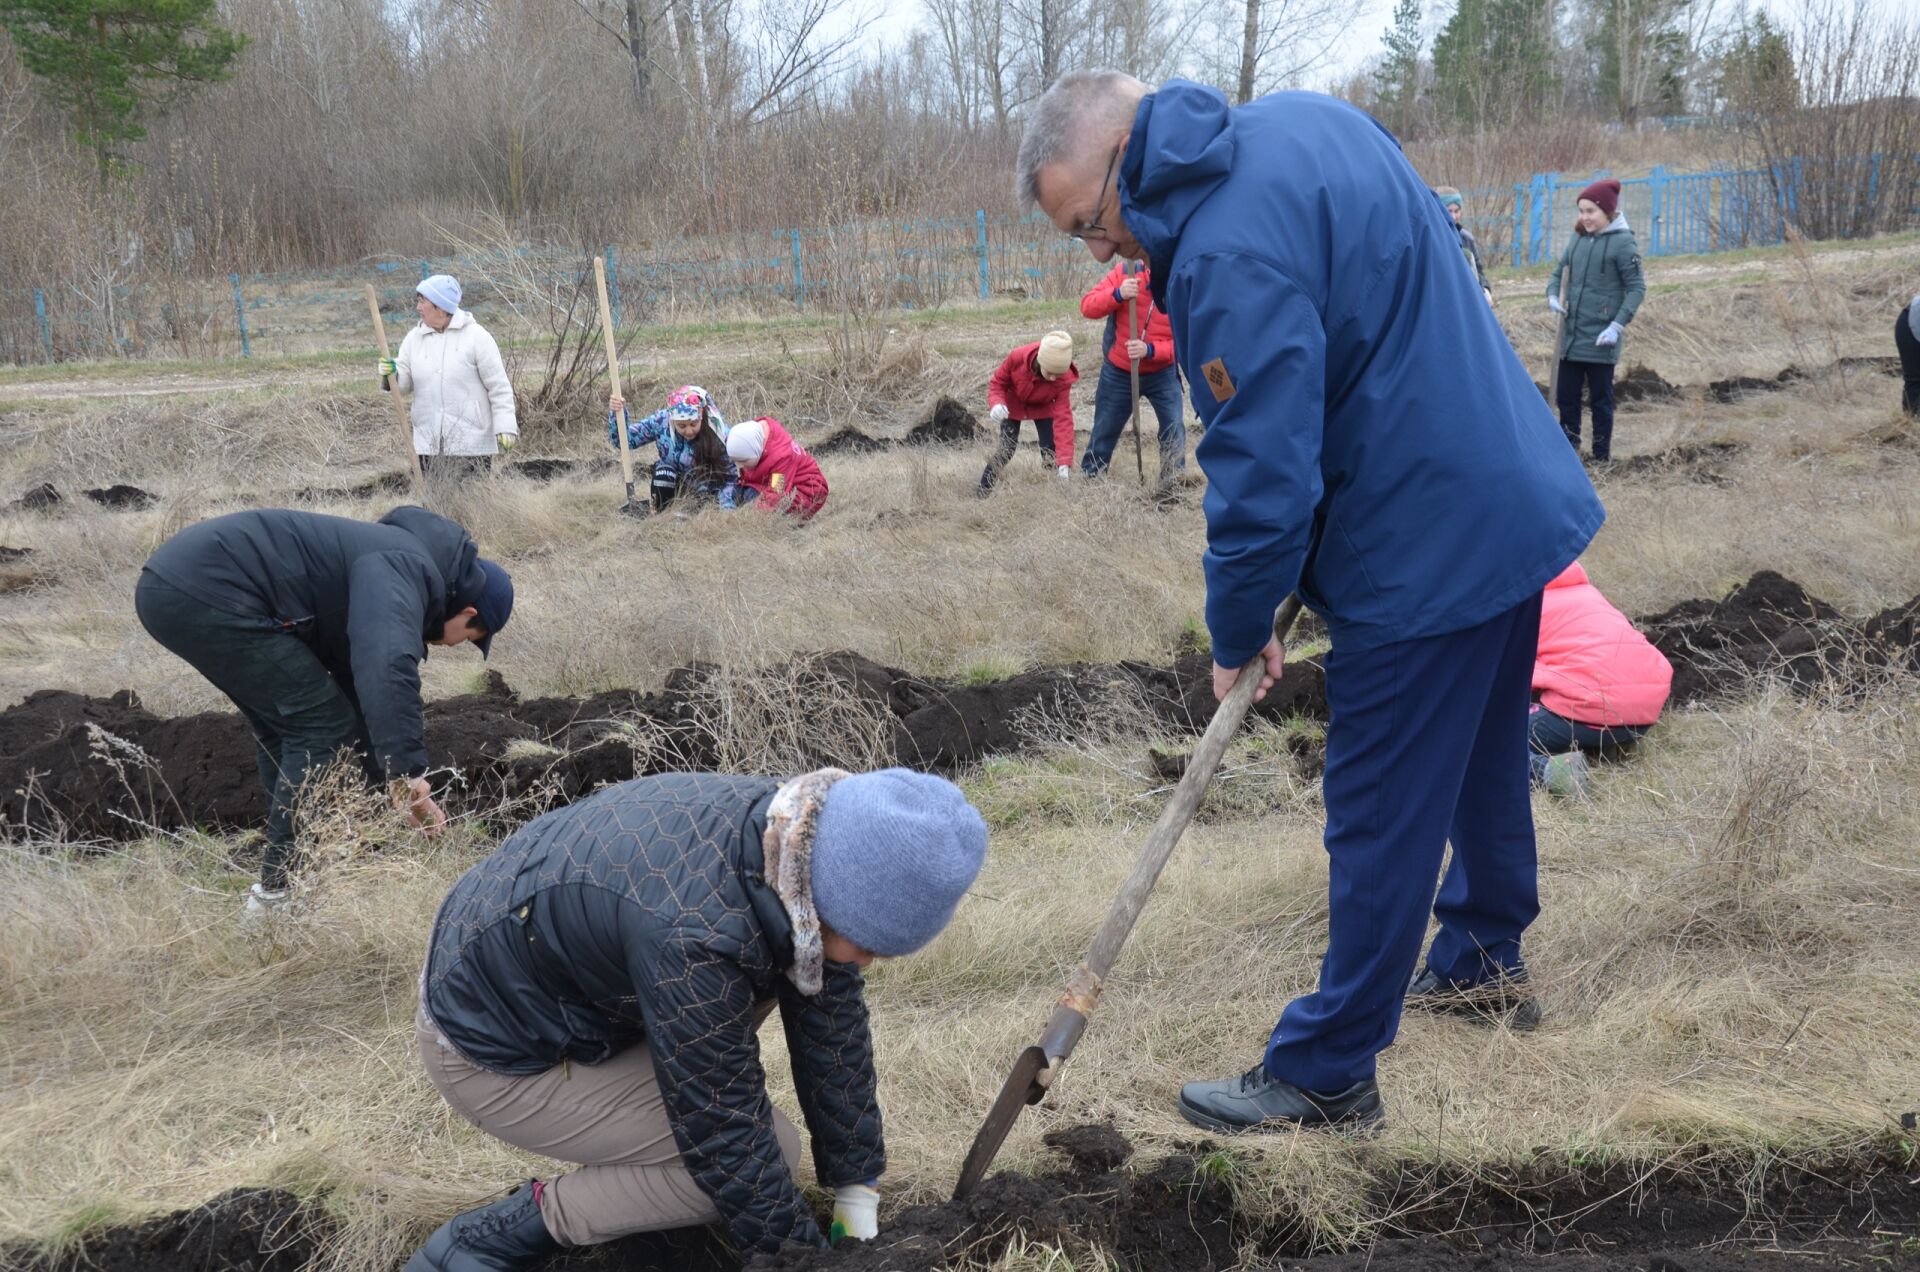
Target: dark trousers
[
  {"x": 1549, "y": 734},
  {"x": 1426, "y": 745},
  {"x": 1909, "y": 346},
  {"x": 450, "y": 468},
  {"x": 1597, "y": 378},
  {"x": 1010, "y": 441},
  {"x": 301, "y": 718},
  {"x": 671, "y": 482},
  {"x": 1113, "y": 406}
]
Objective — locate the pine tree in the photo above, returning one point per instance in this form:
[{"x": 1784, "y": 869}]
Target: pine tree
[
  {"x": 1493, "y": 60},
  {"x": 112, "y": 63},
  {"x": 1759, "y": 74},
  {"x": 1397, "y": 79}
]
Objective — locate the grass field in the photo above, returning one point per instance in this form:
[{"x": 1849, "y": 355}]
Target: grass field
[{"x": 1729, "y": 953}]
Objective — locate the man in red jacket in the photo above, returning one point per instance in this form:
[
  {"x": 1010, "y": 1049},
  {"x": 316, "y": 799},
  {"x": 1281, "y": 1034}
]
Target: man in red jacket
[
  {"x": 1126, "y": 285},
  {"x": 1034, "y": 382}
]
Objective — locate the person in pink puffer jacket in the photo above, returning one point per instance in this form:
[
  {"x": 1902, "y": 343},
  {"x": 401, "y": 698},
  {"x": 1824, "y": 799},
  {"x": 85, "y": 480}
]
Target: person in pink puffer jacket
[{"x": 1598, "y": 684}]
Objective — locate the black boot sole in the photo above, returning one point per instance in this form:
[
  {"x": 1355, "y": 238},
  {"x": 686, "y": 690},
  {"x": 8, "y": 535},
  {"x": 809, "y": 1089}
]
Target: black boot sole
[
  {"x": 1365, "y": 1125},
  {"x": 1521, "y": 1017}
]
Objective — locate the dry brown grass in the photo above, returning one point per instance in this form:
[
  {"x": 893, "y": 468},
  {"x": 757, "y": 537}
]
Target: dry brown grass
[{"x": 1730, "y": 931}]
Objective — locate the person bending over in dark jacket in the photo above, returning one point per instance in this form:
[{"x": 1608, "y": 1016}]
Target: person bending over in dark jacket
[
  {"x": 593, "y": 989},
  {"x": 1906, "y": 339},
  {"x": 315, "y": 627}
]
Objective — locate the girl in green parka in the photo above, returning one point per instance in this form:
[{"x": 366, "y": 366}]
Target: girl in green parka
[{"x": 1604, "y": 289}]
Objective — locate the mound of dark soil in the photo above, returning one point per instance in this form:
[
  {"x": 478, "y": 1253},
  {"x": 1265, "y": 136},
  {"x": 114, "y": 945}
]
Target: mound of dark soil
[
  {"x": 1644, "y": 384},
  {"x": 42, "y": 498},
  {"x": 106, "y": 768},
  {"x": 542, "y": 469},
  {"x": 121, "y": 496},
  {"x": 1180, "y": 1215},
  {"x": 247, "y": 1230},
  {"x": 373, "y": 488},
  {"x": 10, "y": 555},
  {"x": 1769, "y": 625},
  {"x": 948, "y": 424},
  {"x": 849, "y": 441},
  {"x": 1704, "y": 462},
  {"x": 1737, "y": 387}
]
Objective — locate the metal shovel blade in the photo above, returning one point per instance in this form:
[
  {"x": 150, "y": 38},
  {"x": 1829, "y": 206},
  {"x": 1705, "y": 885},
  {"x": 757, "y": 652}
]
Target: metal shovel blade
[{"x": 1021, "y": 1089}]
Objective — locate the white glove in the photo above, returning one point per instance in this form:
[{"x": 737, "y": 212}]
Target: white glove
[
  {"x": 999, "y": 411},
  {"x": 1611, "y": 336},
  {"x": 1553, "y": 303},
  {"x": 1064, "y": 473},
  {"x": 856, "y": 1213}
]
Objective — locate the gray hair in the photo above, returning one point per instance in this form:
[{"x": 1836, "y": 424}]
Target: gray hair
[{"x": 1079, "y": 106}]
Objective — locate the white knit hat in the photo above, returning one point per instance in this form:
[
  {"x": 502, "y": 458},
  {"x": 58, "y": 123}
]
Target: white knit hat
[
  {"x": 747, "y": 442},
  {"x": 1056, "y": 353}
]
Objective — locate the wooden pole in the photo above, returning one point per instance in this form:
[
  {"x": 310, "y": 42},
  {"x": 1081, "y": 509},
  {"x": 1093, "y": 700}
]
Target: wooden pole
[
  {"x": 1133, "y": 370},
  {"x": 399, "y": 403},
  {"x": 1559, "y": 339},
  {"x": 613, "y": 379}
]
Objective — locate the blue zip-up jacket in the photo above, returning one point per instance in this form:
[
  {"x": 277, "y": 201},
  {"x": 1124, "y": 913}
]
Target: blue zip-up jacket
[
  {"x": 1371, "y": 437},
  {"x": 675, "y": 450}
]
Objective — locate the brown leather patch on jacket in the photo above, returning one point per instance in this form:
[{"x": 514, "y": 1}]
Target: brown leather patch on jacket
[{"x": 1218, "y": 380}]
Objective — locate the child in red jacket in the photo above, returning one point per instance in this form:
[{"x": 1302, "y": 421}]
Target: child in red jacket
[
  {"x": 775, "y": 471},
  {"x": 1034, "y": 382},
  {"x": 1122, "y": 294}
]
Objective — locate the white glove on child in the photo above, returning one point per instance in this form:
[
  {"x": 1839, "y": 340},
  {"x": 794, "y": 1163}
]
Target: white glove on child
[
  {"x": 856, "y": 1213},
  {"x": 999, "y": 411},
  {"x": 1553, "y": 303},
  {"x": 1611, "y": 336}
]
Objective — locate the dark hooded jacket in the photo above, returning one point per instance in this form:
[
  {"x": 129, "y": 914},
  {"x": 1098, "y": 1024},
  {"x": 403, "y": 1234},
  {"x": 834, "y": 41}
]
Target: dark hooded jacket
[
  {"x": 643, "y": 914},
  {"x": 364, "y": 597}
]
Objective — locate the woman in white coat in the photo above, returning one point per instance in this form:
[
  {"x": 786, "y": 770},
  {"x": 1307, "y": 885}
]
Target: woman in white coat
[{"x": 462, "y": 402}]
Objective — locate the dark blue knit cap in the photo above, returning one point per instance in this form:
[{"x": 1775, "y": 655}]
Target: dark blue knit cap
[{"x": 495, "y": 604}]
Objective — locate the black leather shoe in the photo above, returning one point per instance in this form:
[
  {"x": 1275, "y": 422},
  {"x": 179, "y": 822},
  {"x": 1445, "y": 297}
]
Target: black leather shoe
[
  {"x": 1256, "y": 1102},
  {"x": 1504, "y": 1000},
  {"x": 503, "y": 1236}
]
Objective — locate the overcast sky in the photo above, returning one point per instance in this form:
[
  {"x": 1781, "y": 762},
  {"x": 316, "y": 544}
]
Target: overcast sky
[{"x": 898, "y": 20}]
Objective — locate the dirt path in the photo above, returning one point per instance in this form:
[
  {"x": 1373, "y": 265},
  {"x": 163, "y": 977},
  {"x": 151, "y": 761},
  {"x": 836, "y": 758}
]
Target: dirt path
[{"x": 114, "y": 385}]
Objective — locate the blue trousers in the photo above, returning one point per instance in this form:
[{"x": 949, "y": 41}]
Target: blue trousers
[
  {"x": 1113, "y": 406},
  {"x": 1426, "y": 744}
]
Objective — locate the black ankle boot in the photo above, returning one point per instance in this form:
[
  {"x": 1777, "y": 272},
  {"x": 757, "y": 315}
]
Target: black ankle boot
[{"x": 503, "y": 1236}]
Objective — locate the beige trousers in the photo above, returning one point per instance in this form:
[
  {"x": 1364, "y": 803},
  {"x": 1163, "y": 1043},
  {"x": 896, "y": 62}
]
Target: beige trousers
[{"x": 609, "y": 1118}]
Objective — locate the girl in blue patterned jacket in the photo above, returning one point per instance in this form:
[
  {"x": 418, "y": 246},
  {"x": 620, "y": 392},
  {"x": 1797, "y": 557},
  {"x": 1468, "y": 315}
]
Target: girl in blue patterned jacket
[{"x": 691, "y": 438}]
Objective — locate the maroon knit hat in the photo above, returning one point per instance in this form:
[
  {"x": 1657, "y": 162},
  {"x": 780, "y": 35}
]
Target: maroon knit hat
[{"x": 1605, "y": 195}]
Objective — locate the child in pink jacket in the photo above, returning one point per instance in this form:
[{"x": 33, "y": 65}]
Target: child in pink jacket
[{"x": 1598, "y": 684}]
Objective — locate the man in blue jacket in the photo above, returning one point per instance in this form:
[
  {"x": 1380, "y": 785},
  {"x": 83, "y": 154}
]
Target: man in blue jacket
[{"x": 1372, "y": 442}]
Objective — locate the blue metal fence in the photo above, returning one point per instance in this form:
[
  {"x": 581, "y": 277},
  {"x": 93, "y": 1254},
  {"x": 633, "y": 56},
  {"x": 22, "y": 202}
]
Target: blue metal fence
[{"x": 891, "y": 264}]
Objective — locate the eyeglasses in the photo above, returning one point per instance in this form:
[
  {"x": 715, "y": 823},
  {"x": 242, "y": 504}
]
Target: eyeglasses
[{"x": 1094, "y": 229}]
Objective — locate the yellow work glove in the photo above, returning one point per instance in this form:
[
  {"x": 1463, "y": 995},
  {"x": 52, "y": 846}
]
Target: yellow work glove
[
  {"x": 387, "y": 369},
  {"x": 507, "y": 440}
]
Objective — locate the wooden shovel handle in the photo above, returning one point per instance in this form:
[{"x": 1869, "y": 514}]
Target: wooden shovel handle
[{"x": 399, "y": 403}]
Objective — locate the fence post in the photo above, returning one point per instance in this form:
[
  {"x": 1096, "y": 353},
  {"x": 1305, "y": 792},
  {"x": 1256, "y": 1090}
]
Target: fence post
[
  {"x": 426, "y": 271},
  {"x": 240, "y": 312},
  {"x": 46, "y": 328},
  {"x": 1519, "y": 225},
  {"x": 1656, "y": 192},
  {"x": 799, "y": 277},
  {"x": 1873, "y": 194},
  {"x": 613, "y": 287},
  {"x": 980, "y": 219},
  {"x": 1538, "y": 197}
]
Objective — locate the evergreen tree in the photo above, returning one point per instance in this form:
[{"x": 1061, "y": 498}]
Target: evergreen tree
[
  {"x": 112, "y": 63},
  {"x": 1493, "y": 61},
  {"x": 1759, "y": 76},
  {"x": 1643, "y": 57},
  {"x": 1397, "y": 79}
]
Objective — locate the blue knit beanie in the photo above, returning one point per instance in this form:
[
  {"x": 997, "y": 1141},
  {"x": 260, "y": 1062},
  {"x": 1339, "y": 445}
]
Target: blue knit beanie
[
  {"x": 443, "y": 290},
  {"x": 894, "y": 852}
]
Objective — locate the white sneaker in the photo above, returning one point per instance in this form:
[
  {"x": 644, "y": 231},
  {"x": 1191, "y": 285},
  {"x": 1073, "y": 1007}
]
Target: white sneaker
[
  {"x": 263, "y": 901},
  {"x": 1065, "y": 473}
]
